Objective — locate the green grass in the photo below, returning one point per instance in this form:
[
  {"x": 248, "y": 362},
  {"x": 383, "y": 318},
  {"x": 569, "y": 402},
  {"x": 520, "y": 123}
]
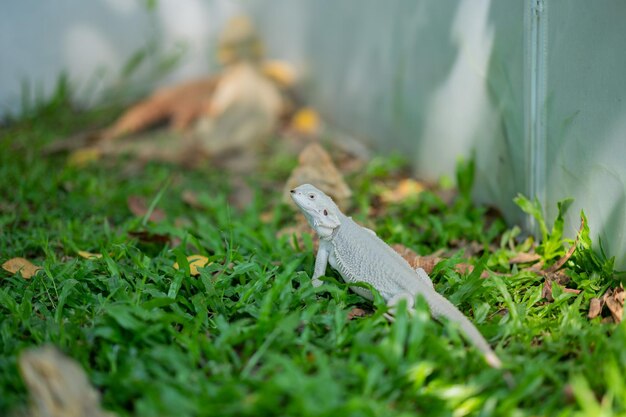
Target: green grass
[{"x": 250, "y": 336}]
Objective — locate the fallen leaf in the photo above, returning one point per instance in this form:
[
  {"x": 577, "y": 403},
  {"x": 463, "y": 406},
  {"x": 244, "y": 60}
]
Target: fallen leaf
[
  {"x": 243, "y": 112},
  {"x": 558, "y": 278},
  {"x": 239, "y": 40},
  {"x": 546, "y": 290},
  {"x": 21, "y": 265},
  {"x": 558, "y": 264},
  {"x": 356, "y": 312},
  {"x": 77, "y": 141},
  {"x": 181, "y": 104},
  {"x": 137, "y": 205},
  {"x": 195, "y": 262},
  {"x": 305, "y": 122},
  {"x": 428, "y": 262},
  {"x": 57, "y": 385},
  {"x": 191, "y": 198},
  {"x": 615, "y": 304},
  {"x": 469, "y": 248},
  {"x": 406, "y": 188},
  {"x": 316, "y": 167},
  {"x": 267, "y": 216},
  {"x": 298, "y": 230},
  {"x": 280, "y": 72},
  {"x": 148, "y": 237},
  {"x": 595, "y": 308},
  {"x": 89, "y": 255},
  {"x": 83, "y": 157},
  {"x": 524, "y": 258},
  {"x": 241, "y": 195}
]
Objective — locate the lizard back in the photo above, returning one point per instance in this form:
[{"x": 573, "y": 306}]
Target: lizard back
[{"x": 361, "y": 256}]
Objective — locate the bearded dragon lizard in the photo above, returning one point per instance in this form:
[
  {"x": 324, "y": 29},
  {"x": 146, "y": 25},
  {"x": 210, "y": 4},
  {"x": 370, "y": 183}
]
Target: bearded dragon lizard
[{"x": 360, "y": 256}]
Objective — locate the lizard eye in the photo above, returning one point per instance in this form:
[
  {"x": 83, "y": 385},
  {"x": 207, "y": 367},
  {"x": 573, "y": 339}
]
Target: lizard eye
[
  {"x": 325, "y": 212},
  {"x": 312, "y": 196}
]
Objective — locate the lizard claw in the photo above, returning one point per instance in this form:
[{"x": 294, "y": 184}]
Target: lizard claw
[{"x": 316, "y": 282}]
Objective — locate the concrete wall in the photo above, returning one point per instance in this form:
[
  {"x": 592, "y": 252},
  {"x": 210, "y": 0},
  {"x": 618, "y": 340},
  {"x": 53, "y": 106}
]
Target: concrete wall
[
  {"x": 535, "y": 89},
  {"x": 91, "y": 41}
]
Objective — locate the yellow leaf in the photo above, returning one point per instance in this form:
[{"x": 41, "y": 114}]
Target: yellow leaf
[
  {"x": 89, "y": 255},
  {"x": 195, "y": 262},
  {"x": 405, "y": 189},
  {"x": 21, "y": 265},
  {"x": 279, "y": 71},
  {"x": 306, "y": 121},
  {"x": 83, "y": 157}
]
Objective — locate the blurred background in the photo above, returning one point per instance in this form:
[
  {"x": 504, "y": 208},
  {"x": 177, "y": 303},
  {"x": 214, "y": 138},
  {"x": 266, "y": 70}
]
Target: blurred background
[{"x": 534, "y": 91}]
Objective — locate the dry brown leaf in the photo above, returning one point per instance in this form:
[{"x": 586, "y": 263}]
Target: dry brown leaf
[
  {"x": 57, "y": 385},
  {"x": 137, "y": 205},
  {"x": 79, "y": 140},
  {"x": 239, "y": 40},
  {"x": 281, "y": 72},
  {"x": 570, "y": 251},
  {"x": 148, "y": 237},
  {"x": 305, "y": 122},
  {"x": 267, "y": 216},
  {"x": 191, "y": 198},
  {"x": 470, "y": 248},
  {"x": 555, "y": 278},
  {"x": 21, "y": 265},
  {"x": 595, "y": 308},
  {"x": 356, "y": 312},
  {"x": 181, "y": 104},
  {"x": 242, "y": 195},
  {"x": 316, "y": 167},
  {"x": 615, "y": 304},
  {"x": 405, "y": 189},
  {"x": 428, "y": 262},
  {"x": 298, "y": 230},
  {"x": 524, "y": 258},
  {"x": 83, "y": 157},
  {"x": 195, "y": 262},
  {"x": 89, "y": 255},
  {"x": 244, "y": 111}
]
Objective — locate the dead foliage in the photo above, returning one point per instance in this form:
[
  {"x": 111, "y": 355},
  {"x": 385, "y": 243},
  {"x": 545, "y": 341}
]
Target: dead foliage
[
  {"x": 405, "y": 189},
  {"x": 613, "y": 300},
  {"x": 195, "y": 262},
  {"x": 297, "y": 231},
  {"x": 524, "y": 258},
  {"x": 21, "y": 265},
  {"x": 316, "y": 167},
  {"x": 428, "y": 262},
  {"x": 179, "y": 105},
  {"x": 139, "y": 207},
  {"x": 144, "y": 236},
  {"x": 554, "y": 274},
  {"x": 356, "y": 312},
  {"x": 58, "y": 386},
  {"x": 191, "y": 198}
]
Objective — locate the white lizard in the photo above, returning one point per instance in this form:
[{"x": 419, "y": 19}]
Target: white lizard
[{"x": 360, "y": 256}]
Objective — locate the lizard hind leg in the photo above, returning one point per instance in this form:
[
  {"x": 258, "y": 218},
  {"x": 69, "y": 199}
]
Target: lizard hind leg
[
  {"x": 393, "y": 302},
  {"x": 423, "y": 276}
]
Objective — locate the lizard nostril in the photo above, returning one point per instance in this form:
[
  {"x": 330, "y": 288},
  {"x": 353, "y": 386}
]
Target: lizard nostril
[{"x": 292, "y": 191}]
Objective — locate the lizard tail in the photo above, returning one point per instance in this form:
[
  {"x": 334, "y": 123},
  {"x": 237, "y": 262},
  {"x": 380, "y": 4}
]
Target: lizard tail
[{"x": 441, "y": 307}]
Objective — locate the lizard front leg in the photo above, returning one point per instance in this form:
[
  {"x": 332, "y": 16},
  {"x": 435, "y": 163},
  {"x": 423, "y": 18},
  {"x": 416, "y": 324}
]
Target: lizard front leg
[
  {"x": 393, "y": 301},
  {"x": 321, "y": 261}
]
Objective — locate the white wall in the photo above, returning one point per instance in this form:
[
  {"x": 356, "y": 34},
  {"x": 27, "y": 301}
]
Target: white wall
[{"x": 92, "y": 40}]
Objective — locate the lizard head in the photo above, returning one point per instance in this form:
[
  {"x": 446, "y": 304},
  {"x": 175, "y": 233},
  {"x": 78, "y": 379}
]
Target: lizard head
[{"x": 318, "y": 208}]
